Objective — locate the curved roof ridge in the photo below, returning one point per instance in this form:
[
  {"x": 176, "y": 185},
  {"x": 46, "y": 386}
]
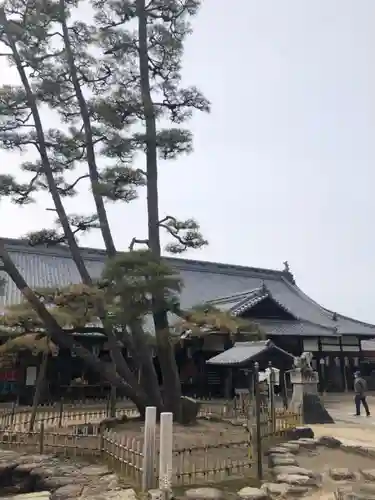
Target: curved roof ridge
[
  {"x": 306, "y": 321},
  {"x": 364, "y": 323},
  {"x": 21, "y": 245},
  {"x": 235, "y": 295},
  {"x": 328, "y": 312},
  {"x": 307, "y": 298}
]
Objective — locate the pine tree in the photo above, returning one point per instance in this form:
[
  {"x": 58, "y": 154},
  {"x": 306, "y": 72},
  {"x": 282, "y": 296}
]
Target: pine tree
[
  {"x": 136, "y": 73},
  {"x": 28, "y": 37},
  {"x": 151, "y": 91}
]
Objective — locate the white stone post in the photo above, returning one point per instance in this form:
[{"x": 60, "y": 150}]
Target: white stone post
[
  {"x": 149, "y": 451},
  {"x": 165, "y": 458}
]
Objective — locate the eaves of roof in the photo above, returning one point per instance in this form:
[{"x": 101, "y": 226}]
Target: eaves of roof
[
  {"x": 243, "y": 352},
  {"x": 203, "y": 281}
]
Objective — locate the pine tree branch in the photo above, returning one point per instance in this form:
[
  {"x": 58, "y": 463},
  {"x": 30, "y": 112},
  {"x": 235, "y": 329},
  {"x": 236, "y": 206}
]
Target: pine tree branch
[{"x": 136, "y": 241}]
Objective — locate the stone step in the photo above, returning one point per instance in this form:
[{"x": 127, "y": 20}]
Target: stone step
[{"x": 37, "y": 495}]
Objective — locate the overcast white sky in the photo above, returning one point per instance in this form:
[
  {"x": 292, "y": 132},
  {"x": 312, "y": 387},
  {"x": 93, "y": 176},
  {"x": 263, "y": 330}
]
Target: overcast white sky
[{"x": 283, "y": 168}]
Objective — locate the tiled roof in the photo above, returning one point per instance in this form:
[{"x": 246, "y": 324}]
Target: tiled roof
[
  {"x": 243, "y": 352},
  {"x": 304, "y": 309},
  {"x": 44, "y": 267},
  {"x": 226, "y": 286},
  {"x": 302, "y": 328}
]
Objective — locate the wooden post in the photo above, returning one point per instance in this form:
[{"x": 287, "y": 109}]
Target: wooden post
[
  {"x": 165, "y": 458},
  {"x": 108, "y": 404},
  {"x": 13, "y": 413},
  {"x": 272, "y": 398},
  {"x": 258, "y": 430},
  {"x": 149, "y": 455},
  {"x": 61, "y": 411},
  {"x": 41, "y": 439}
]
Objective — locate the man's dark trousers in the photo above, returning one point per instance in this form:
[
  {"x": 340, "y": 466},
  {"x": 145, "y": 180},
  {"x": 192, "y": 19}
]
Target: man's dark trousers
[{"x": 358, "y": 399}]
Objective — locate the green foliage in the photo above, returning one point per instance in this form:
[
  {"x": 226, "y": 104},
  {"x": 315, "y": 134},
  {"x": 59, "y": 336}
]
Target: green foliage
[
  {"x": 133, "y": 278},
  {"x": 186, "y": 234},
  {"x": 50, "y": 237},
  {"x": 118, "y": 183},
  {"x": 115, "y": 108},
  {"x": 125, "y": 290},
  {"x": 32, "y": 342},
  {"x": 206, "y": 319}
]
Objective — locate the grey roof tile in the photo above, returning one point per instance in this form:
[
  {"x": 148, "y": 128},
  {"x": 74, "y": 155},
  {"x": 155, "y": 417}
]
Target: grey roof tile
[
  {"x": 302, "y": 328},
  {"x": 230, "y": 285},
  {"x": 242, "y": 352}
]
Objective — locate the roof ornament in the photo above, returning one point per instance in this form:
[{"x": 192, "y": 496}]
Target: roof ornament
[
  {"x": 288, "y": 273},
  {"x": 334, "y": 316},
  {"x": 286, "y": 267},
  {"x": 263, "y": 287}
]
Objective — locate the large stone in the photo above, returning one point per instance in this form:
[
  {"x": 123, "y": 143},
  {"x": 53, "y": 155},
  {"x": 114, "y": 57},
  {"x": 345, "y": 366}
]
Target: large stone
[
  {"x": 342, "y": 474},
  {"x": 204, "y": 494},
  {"x": 292, "y": 469},
  {"x": 329, "y": 442},
  {"x": 54, "y": 482},
  {"x": 368, "y": 474},
  {"x": 127, "y": 494},
  {"x": 7, "y": 465},
  {"x": 55, "y": 470},
  {"x": 276, "y": 490},
  {"x": 277, "y": 450},
  {"x": 37, "y": 458},
  {"x": 309, "y": 443},
  {"x": 37, "y": 495},
  {"x": 68, "y": 491},
  {"x": 296, "y": 479},
  {"x": 100, "y": 485},
  {"x": 249, "y": 493},
  {"x": 292, "y": 447},
  {"x": 189, "y": 409},
  {"x": 276, "y": 460},
  {"x": 299, "y": 432},
  {"x": 94, "y": 470},
  {"x": 26, "y": 468}
]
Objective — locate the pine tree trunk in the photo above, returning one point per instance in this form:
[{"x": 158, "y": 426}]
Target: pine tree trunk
[
  {"x": 90, "y": 151},
  {"x": 99, "y": 203},
  {"x": 39, "y": 384},
  {"x": 166, "y": 356},
  {"x": 149, "y": 378},
  {"x": 46, "y": 167}
]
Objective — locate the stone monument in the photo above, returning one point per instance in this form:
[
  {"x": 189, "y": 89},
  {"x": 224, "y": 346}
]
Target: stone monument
[{"x": 305, "y": 397}]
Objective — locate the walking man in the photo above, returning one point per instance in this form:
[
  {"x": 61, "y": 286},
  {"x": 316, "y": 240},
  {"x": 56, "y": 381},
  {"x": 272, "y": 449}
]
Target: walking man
[{"x": 360, "y": 388}]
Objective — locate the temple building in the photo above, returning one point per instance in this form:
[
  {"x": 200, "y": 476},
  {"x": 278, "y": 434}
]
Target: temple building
[{"x": 271, "y": 298}]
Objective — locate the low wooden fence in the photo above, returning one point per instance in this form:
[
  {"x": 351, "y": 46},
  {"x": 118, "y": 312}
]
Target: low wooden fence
[
  {"x": 211, "y": 462},
  {"x": 77, "y": 433},
  {"x": 20, "y": 420},
  {"x": 122, "y": 454}
]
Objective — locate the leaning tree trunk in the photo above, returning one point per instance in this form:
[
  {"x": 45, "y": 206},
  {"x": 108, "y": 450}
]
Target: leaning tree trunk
[
  {"x": 42, "y": 148},
  {"x": 121, "y": 364},
  {"x": 166, "y": 356},
  {"x": 39, "y": 384},
  {"x": 59, "y": 337},
  {"x": 153, "y": 387},
  {"x": 91, "y": 157}
]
